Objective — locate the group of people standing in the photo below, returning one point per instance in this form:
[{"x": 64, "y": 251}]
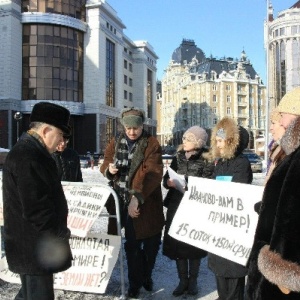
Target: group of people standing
[
  {"x": 135, "y": 170},
  {"x": 35, "y": 208}
]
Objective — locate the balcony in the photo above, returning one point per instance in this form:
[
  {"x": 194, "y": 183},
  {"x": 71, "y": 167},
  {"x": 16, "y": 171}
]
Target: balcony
[
  {"x": 242, "y": 93},
  {"x": 242, "y": 103},
  {"x": 243, "y": 115}
]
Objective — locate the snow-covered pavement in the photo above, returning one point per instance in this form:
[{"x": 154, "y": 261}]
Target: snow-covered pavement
[{"x": 164, "y": 276}]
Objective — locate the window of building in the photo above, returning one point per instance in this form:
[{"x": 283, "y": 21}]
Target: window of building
[
  {"x": 72, "y": 8},
  {"x": 110, "y": 73},
  {"x": 125, "y": 64},
  {"x": 130, "y": 81},
  {"x": 125, "y": 79},
  {"x": 52, "y": 63},
  {"x": 130, "y": 67},
  {"x": 228, "y": 110},
  {"x": 294, "y": 29},
  {"x": 228, "y": 98},
  {"x": 149, "y": 93},
  {"x": 125, "y": 94},
  {"x": 228, "y": 87},
  {"x": 130, "y": 97},
  {"x": 214, "y": 110},
  {"x": 214, "y": 87},
  {"x": 110, "y": 131},
  {"x": 214, "y": 98}
]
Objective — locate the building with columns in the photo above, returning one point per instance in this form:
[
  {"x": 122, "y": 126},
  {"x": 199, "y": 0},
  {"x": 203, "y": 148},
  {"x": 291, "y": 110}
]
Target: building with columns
[
  {"x": 282, "y": 39},
  {"x": 196, "y": 90},
  {"x": 75, "y": 54}
]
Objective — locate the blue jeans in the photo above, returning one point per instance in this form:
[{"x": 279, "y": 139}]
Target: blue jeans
[{"x": 140, "y": 254}]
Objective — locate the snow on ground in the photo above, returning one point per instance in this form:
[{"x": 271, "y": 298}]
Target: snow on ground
[{"x": 164, "y": 275}]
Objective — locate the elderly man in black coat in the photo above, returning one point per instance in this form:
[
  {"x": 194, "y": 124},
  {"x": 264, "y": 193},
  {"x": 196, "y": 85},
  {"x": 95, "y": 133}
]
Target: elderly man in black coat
[{"x": 35, "y": 209}]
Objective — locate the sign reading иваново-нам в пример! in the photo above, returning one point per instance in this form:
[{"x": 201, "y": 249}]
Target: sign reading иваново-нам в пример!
[{"x": 219, "y": 217}]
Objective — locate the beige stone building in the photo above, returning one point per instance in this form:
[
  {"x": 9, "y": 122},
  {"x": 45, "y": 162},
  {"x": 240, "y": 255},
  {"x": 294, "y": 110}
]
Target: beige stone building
[{"x": 196, "y": 90}]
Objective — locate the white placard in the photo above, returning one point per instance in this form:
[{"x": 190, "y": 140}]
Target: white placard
[
  {"x": 85, "y": 202},
  {"x": 94, "y": 259},
  {"x": 219, "y": 217}
]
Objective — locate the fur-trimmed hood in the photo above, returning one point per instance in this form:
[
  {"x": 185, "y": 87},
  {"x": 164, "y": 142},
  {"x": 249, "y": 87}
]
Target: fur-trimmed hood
[
  {"x": 237, "y": 139},
  {"x": 291, "y": 138}
]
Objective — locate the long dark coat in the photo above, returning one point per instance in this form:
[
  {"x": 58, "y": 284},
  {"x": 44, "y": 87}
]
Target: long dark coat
[
  {"x": 275, "y": 257},
  {"x": 196, "y": 166},
  {"x": 144, "y": 179},
  {"x": 68, "y": 165},
  {"x": 35, "y": 211},
  {"x": 237, "y": 166}
]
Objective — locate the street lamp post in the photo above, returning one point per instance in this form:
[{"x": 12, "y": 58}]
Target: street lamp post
[{"x": 18, "y": 117}]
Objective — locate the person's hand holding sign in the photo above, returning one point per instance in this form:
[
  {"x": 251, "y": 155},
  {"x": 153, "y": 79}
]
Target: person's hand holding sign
[{"x": 171, "y": 183}]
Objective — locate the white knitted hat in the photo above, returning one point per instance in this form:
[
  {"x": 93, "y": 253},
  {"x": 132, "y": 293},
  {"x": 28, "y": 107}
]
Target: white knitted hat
[{"x": 290, "y": 103}]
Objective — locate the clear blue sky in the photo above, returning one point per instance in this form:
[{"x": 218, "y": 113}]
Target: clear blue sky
[{"x": 218, "y": 27}]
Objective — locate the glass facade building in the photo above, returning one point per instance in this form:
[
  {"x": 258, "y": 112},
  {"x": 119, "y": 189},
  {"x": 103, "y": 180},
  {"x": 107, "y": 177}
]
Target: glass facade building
[
  {"x": 52, "y": 63},
  {"x": 72, "y": 53}
]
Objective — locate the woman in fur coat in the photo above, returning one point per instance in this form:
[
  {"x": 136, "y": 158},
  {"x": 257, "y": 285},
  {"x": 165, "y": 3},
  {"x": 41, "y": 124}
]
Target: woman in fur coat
[
  {"x": 228, "y": 140},
  {"x": 274, "y": 263},
  {"x": 188, "y": 161}
]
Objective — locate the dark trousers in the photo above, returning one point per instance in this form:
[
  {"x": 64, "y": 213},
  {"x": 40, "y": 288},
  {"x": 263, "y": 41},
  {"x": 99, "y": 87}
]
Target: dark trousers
[
  {"x": 140, "y": 254},
  {"x": 230, "y": 288},
  {"x": 36, "y": 287}
]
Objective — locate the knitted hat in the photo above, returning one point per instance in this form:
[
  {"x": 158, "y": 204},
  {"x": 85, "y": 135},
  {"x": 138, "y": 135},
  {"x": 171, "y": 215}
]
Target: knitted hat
[
  {"x": 52, "y": 114},
  {"x": 275, "y": 115},
  {"x": 290, "y": 103},
  {"x": 196, "y": 135},
  {"x": 132, "y": 117}
]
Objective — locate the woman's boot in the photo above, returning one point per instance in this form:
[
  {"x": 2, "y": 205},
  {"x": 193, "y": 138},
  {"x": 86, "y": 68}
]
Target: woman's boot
[
  {"x": 182, "y": 269},
  {"x": 194, "y": 265}
]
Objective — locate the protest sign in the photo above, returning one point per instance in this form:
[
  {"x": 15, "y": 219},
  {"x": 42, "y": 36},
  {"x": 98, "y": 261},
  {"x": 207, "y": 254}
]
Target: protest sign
[
  {"x": 94, "y": 259},
  {"x": 218, "y": 216},
  {"x": 85, "y": 202}
]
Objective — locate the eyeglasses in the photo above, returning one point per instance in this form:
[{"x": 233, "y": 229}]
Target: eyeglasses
[
  {"x": 189, "y": 138},
  {"x": 66, "y": 139}
]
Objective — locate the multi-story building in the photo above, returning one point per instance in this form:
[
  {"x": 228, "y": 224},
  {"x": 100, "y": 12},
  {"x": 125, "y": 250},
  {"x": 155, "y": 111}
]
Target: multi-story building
[
  {"x": 282, "y": 37},
  {"x": 200, "y": 91},
  {"x": 75, "y": 54}
]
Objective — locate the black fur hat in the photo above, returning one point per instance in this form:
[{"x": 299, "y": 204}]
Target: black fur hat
[{"x": 51, "y": 114}]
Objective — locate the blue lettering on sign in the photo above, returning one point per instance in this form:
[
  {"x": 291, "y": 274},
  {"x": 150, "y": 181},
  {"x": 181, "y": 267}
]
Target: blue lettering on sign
[{"x": 224, "y": 178}]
